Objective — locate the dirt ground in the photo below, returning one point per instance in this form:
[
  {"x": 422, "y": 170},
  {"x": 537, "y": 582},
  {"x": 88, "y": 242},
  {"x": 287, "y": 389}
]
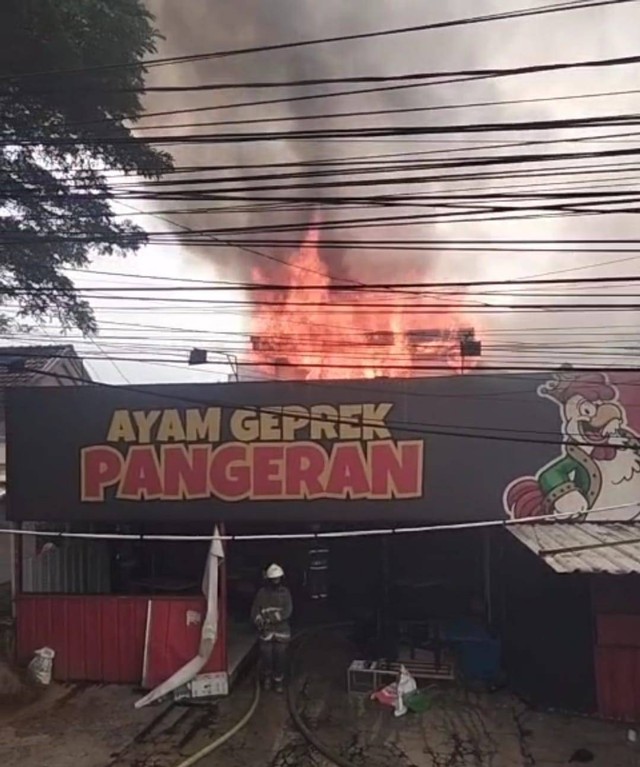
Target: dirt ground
[{"x": 93, "y": 726}]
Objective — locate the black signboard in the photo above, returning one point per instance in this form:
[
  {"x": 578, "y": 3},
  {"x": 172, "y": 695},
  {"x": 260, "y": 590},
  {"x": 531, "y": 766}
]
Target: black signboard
[{"x": 436, "y": 449}]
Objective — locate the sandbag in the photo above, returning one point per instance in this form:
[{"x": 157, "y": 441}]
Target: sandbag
[
  {"x": 40, "y": 669},
  {"x": 406, "y": 686}
]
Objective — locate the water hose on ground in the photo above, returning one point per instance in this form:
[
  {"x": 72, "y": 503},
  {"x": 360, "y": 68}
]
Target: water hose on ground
[
  {"x": 300, "y": 639},
  {"x": 295, "y": 714},
  {"x": 227, "y": 735}
]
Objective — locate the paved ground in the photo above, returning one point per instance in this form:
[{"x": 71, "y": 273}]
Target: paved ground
[{"x": 98, "y": 727}]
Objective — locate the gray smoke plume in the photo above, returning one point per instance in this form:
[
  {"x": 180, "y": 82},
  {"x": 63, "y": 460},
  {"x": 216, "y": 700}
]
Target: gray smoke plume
[
  {"x": 194, "y": 26},
  {"x": 199, "y": 26}
]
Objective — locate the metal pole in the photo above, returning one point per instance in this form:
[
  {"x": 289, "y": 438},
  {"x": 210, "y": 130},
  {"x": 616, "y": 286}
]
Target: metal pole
[
  {"x": 384, "y": 628},
  {"x": 487, "y": 576},
  {"x": 233, "y": 364}
]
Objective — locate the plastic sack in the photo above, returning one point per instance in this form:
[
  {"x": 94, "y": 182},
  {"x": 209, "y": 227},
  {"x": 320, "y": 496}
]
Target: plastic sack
[
  {"x": 406, "y": 686},
  {"x": 41, "y": 667},
  {"x": 386, "y": 695},
  {"x": 419, "y": 701}
]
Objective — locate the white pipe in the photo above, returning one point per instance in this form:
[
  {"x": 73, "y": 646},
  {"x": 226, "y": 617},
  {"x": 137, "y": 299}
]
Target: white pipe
[{"x": 328, "y": 534}]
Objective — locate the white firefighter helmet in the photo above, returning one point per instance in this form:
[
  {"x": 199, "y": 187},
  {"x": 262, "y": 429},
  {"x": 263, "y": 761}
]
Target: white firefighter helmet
[{"x": 274, "y": 571}]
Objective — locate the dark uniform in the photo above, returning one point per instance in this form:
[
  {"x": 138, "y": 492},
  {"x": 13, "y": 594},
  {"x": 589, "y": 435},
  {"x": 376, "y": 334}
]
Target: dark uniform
[{"x": 271, "y": 611}]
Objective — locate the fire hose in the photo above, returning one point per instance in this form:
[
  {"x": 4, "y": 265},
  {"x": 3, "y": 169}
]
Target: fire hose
[
  {"x": 210, "y": 747},
  {"x": 298, "y": 642},
  {"x": 302, "y": 728}
]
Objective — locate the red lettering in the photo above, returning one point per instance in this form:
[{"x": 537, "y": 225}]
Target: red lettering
[
  {"x": 141, "y": 478},
  {"x": 396, "y": 469},
  {"x": 185, "y": 471},
  {"x": 305, "y": 465},
  {"x": 230, "y": 473},
  {"x": 348, "y": 475},
  {"x": 380, "y": 470},
  {"x": 267, "y": 471},
  {"x": 100, "y": 467}
]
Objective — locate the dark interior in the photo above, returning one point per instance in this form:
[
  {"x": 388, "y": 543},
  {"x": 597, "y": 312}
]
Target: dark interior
[{"x": 548, "y": 632}]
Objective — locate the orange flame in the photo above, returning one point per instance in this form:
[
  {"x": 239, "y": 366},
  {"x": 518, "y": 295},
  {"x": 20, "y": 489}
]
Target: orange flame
[{"x": 322, "y": 334}]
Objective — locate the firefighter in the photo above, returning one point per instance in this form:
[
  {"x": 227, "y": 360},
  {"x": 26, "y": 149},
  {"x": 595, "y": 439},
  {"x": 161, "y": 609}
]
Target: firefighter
[{"x": 271, "y": 610}]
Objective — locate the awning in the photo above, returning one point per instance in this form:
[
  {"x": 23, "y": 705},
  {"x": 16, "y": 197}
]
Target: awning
[{"x": 583, "y": 547}]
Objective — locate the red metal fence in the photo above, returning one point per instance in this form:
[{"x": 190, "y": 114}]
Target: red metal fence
[
  {"x": 96, "y": 638},
  {"x": 616, "y": 604},
  {"x": 617, "y": 659},
  {"x": 173, "y": 639},
  {"x": 102, "y": 638}
]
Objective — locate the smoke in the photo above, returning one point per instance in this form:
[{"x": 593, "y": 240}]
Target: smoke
[
  {"x": 200, "y": 26},
  {"x": 207, "y": 25}
]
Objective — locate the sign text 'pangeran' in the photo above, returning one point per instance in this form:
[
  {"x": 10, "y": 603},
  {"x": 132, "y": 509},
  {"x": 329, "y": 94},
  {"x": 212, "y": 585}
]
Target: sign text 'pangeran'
[{"x": 274, "y": 453}]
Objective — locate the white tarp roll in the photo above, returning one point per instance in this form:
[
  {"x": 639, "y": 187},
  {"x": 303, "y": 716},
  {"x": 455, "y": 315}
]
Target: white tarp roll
[{"x": 209, "y": 631}]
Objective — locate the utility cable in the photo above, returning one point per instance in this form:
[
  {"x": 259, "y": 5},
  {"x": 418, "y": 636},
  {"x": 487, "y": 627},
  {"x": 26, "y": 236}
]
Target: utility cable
[
  {"x": 173, "y": 60},
  {"x": 334, "y": 534}
]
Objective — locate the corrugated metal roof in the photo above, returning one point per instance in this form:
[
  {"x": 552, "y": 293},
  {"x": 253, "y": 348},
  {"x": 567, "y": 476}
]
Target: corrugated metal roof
[{"x": 583, "y": 547}]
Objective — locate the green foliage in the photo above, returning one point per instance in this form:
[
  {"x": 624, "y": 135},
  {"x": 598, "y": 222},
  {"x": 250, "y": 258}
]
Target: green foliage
[{"x": 54, "y": 211}]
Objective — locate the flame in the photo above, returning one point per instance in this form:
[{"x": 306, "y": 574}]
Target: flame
[{"x": 322, "y": 334}]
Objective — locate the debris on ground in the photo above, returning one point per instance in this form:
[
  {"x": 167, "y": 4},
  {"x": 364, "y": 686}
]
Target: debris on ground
[
  {"x": 14, "y": 690},
  {"x": 10, "y": 683},
  {"x": 96, "y": 726}
]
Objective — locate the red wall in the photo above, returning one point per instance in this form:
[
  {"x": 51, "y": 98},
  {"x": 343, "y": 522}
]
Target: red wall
[
  {"x": 95, "y": 638},
  {"x": 172, "y": 642},
  {"x": 616, "y": 602},
  {"x": 101, "y": 638}
]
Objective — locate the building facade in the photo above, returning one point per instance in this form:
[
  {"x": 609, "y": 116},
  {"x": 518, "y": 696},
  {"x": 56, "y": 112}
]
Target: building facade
[
  {"x": 513, "y": 498},
  {"x": 30, "y": 366}
]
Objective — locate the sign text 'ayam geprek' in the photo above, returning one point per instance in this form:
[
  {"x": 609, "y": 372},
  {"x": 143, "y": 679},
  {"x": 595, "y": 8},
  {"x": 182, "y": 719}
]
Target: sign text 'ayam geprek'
[{"x": 273, "y": 453}]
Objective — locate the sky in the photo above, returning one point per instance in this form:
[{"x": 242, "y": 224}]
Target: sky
[{"x": 163, "y": 333}]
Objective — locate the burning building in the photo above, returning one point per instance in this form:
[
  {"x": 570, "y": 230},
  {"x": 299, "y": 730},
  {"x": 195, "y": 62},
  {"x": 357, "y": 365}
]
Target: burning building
[
  {"x": 312, "y": 326},
  {"x": 147, "y": 473},
  {"x": 438, "y": 349}
]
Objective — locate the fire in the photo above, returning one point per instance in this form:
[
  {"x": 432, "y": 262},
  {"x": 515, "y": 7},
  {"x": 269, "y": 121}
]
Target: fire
[{"x": 319, "y": 333}]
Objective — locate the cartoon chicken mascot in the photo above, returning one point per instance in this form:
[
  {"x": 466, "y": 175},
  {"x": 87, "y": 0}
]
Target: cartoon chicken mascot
[{"x": 599, "y": 467}]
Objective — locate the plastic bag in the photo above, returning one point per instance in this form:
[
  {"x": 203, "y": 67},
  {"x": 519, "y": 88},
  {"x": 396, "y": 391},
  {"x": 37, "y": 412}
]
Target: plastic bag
[
  {"x": 406, "y": 686},
  {"x": 419, "y": 701},
  {"x": 41, "y": 667},
  {"x": 386, "y": 695}
]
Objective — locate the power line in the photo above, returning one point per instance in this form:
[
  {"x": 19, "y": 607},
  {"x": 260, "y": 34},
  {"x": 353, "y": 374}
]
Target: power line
[
  {"x": 359, "y": 132},
  {"x": 173, "y": 60},
  {"x": 157, "y": 190},
  {"x": 379, "y": 112},
  {"x": 337, "y": 534},
  {"x": 424, "y": 78},
  {"x": 362, "y": 287},
  {"x": 405, "y": 427}
]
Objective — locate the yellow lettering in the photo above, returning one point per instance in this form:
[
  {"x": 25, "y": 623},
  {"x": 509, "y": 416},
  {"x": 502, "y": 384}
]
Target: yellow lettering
[
  {"x": 270, "y": 427},
  {"x": 121, "y": 428},
  {"x": 349, "y": 421},
  {"x": 324, "y": 422},
  {"x": 171, "y": 428},
  {"x": 244, "y": 425},
  {"x": 144, "y": 422},
  {"x": 200, "y": 427},
  {"x": 373, "y": 421},
  {"x": 295, "y": 417}
]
